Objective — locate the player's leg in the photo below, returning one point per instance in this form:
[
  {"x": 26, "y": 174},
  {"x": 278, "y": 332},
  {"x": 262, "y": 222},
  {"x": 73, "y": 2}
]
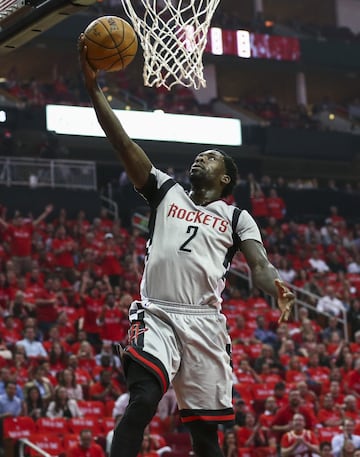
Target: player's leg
[
  {"x": 203, "y": 385},
  {"x": 205, "y": 441},
  {"x": 145, "y": 394}
]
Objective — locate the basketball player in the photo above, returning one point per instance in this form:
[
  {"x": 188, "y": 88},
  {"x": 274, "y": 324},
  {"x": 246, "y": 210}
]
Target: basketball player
[{"x": 178, "y": 334}]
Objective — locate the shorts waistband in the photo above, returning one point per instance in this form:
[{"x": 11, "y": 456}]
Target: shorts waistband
[{"x": 184, "y": 308}]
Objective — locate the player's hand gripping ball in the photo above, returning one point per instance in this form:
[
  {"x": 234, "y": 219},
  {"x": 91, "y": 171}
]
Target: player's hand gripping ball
[{"x": 111, "y": 43}]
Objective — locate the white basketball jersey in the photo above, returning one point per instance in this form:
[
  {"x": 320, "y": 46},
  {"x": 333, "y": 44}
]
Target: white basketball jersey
[{"x": 189, "y": 245}]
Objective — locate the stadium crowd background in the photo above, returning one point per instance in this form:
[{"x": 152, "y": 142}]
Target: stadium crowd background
[{"x": 67, "y": 280}]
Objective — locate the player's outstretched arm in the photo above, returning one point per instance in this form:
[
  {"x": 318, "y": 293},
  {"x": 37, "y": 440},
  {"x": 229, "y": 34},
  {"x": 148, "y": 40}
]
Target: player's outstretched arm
[
  {"x": 136, "y": 162},
  {"x": 266, "y": 277}
]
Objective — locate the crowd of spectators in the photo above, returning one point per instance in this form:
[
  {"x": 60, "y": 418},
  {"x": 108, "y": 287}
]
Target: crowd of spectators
[
  {"x": 65, "y": 287},
  {"x": 69, "y": 89}
]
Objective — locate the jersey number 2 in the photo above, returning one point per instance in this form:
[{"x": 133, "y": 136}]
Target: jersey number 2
[{"x": 192, "y": 229}]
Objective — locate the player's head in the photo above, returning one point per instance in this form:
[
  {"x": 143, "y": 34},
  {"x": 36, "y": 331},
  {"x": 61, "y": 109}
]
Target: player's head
[{"x": 215, "y": 167}]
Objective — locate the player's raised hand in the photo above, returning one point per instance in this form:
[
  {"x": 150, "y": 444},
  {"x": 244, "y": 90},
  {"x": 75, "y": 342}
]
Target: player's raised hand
[
  {"x": 89, "y": 72},
  {"x": 286, "y": 300}
]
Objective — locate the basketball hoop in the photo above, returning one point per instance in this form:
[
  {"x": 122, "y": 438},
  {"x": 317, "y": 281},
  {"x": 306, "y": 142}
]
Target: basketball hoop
[{"x": 173, "y": 36}]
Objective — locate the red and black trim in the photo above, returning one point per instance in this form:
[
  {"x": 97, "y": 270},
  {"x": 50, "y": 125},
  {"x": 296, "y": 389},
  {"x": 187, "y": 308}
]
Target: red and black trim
[
  {"x": 149, "y": 362},
  {"x": 218, "y": 416}
]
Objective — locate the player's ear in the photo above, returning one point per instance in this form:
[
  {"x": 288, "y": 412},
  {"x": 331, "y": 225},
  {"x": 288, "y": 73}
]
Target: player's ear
[{"x": 225, "y": 179}]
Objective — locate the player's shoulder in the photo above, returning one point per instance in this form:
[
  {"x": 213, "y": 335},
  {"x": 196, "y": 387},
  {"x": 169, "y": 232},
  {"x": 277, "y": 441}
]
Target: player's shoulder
[{"x": 160, "y": 175}]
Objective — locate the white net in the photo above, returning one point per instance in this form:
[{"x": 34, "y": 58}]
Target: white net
[{"x": 173, "y": 36}]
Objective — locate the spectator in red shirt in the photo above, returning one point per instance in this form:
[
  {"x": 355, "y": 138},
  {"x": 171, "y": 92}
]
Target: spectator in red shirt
[
  {"x": 336, "y": 391},
  {"x": 20, "y": 365},
  {"x": 44, "y": 257},
  {"x": 276, "y": 205},
  {"x": 63, "y": 247},
  {"x": 35, "y": 277},
  {"x": 240, "y": 333},
  {"x": 318, "y": 373},
  {"x": 350, "y": 408},
  {"x": 352, "y": 380},
  {"x": 110, "y": 257},
  {"x": 93, "y": 301},
  {"x": 259, "y": 207},
  {"x": 57, "y": 358},
  {"x": 82, "y": 376},
  {"x": 250, "y": 435},
  {"x": 299, "y": 441},
  {"x": 105, "y": 389},
  {"x": 111, "y": 320},
  {"x": 20, "y": 238},
  {"x": 89, "y": 241},
  {"x": 86, "y": 356},
  {"x": 334, "y": 217},
  {"x": 10, "y": 332},
  {"x": 329, "y": 415},
  {"x": 81, "y": 223},
  {"x": 28, "y": 291},
  {"x": 45, "y": 302},
  {"x": 66, "y": 323},
  {"x": 86, "y": 447},
  {"x": 230, "y": 446},
  {"x": 80, "y": 337},
  {"x": 88, "y": 264},
  {"x": 256, "y": 300},
  {"x": 308, "y": 397},
  {"x": 54, "y": 336},
  {"x": 282, "y": 420},
  {"x": 266, "y": 418},
  {"x": 105, "y": 222}
]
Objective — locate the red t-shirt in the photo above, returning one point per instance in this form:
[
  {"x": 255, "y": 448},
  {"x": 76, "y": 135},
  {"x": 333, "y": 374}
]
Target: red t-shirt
[
  {"x": 110, "y": 263},
  {"x": 112, "y": 328},
  {"x": 95, "y": 450},
  {"x": 92, "y": 308},
  {"x": 64, "y": 258},
  {"x": 46, "y": 312},
  {"x": 266, "y": 418},
  {"x": 82, "y": 376},
  {"x": 319, "y": 374},
  {"x": 10, "y": 336},
  {"x": 276, "y": 207},
  {"x": 32, "y": 281},
  {"x": 21, "y": 239},
  {"x": 241, "y": 334},
  {"x": 325, "y": 414},
  {"x": 97, "y": 388},
  {"x": 285, "y": 415},
  {"x": 21, "y": 374},
  {"x": 46, "y": 261},
  {"x": 259, "y": 207},
  {"x": 91, "y": 267},
  {"x": 353, "y": 381}
]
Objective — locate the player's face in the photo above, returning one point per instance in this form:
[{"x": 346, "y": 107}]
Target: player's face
[{"x": 208, "y": 164}]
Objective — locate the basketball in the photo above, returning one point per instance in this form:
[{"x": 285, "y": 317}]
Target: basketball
[{"x": 111, "y": 43}]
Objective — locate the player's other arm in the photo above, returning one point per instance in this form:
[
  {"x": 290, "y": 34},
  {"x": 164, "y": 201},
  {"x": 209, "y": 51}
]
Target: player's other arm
[
  {"x": 136, "y": 163},
  {"x": 266, "y": 277}
]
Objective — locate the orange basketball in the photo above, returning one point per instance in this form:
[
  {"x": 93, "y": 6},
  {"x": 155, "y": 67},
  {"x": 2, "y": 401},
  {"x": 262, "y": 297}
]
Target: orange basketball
[{"x": 111, "y": 43}]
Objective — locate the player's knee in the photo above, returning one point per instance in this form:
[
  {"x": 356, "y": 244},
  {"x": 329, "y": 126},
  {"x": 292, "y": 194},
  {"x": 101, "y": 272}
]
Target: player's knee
[
  {"x": 205, "y": 439},
  {"x": 143, "y": 402}
]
